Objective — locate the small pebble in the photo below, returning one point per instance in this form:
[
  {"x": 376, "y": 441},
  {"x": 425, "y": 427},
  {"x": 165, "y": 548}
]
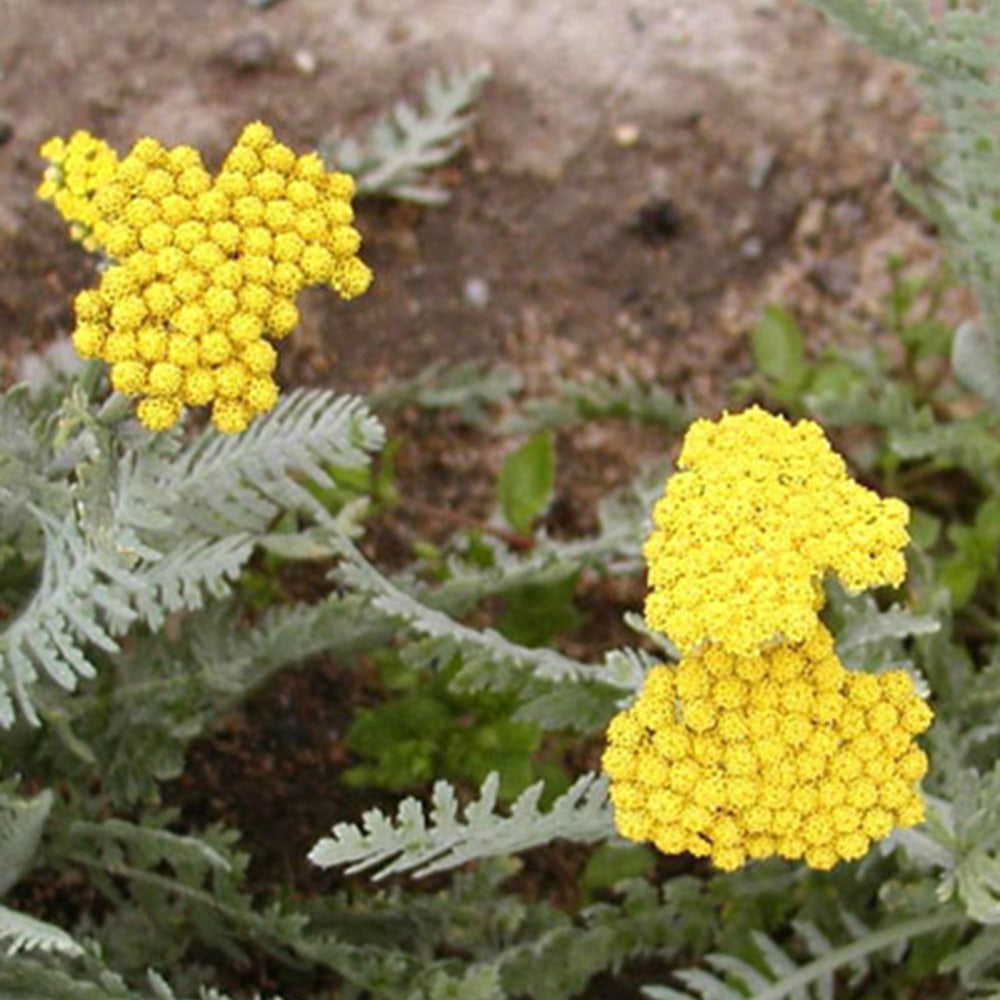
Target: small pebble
[
  {"x": 250, "y": 52},
  {"x": 626, "y": 135},
  {"x": 305, "y": 62},
  {"x": 810, "y": 224},
  {"x": 837, "y": 277},
  {"x": 847, "y": 214},
  {"x": 477, "y": 293},
  {"x": 761, "y": 163},
  {"x": 742, "y": 224},
  {"x": 11, "y": 222},
  {"x": 752, "y": 247}
]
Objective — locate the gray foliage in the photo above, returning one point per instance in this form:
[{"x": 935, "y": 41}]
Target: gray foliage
[
  {"x": 955, "y": 55},
  {"x": 135, "y": 532},
  {"x": 425, "y": 843},
  {"x": 403, "y": 146}
]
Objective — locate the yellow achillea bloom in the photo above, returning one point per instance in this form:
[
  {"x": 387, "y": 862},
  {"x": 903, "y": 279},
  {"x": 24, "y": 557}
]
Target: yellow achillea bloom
[
  {"x": 78, "y": 168},
  {"x": 781, "y": 752},
  {"x": 758, "y": 511},
  {"x": 206, "y": 268}
]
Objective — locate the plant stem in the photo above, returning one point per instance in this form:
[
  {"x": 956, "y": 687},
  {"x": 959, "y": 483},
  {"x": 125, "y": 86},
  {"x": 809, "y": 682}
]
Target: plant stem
[{"x": 859, "y": 949}]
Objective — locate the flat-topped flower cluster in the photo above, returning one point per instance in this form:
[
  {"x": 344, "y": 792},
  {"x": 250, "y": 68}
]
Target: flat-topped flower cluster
[
  {"x": 758, "y": 511},
  {"x": 205, "y": 270},
  {"x": 780, "y": 752},
  {"x": 760, "y": 742}
]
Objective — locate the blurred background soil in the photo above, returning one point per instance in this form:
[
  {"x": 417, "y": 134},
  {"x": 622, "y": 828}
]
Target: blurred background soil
[{"x": 643, "y": 177}]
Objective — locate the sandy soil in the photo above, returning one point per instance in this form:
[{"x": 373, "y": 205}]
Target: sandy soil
[{"x": 760, "y": 138}]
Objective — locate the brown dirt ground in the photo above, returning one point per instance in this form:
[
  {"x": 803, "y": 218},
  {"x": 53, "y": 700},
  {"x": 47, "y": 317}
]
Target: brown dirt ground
[
  {"x": 579, "y": 272},
  {"x": 759, "y": 172}
]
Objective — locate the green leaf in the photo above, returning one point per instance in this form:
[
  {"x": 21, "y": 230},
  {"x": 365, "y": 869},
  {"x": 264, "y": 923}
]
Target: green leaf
[
  {"x": 613, "y": 863},
  {"x": 835, "y": 378},
  {"x": 580, "y": 707},
  {"x": 525, "y": 482},
  {"x": 974, "y": 358},
  {"x": 975, "y": 553},
  {"x": 777, "y": 346},
  {"x": 925, "y": 528},
  {"x": 928, "y": 338},
  {"x": 535, "y": 613},
  {"x": 21, "y": 823}
]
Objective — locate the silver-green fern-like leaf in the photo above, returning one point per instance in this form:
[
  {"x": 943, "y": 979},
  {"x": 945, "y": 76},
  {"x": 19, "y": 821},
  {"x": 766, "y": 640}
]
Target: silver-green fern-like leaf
[
  {"x": 241, "y": 482},
  {"x": 70, "y": 609},
  {"x": 395, "y": 157},
  {"x": 180, "y": 580},
  {"x": 26, "y": 977},
  {"x": 974, "y": 359},
  {"x": 414, "y": 841},
  {"x": 21, "y": 824},
  {"x": 898, "y": 30},
  {"x": 488, "y": 657},
  {"x": 21, "y": 933},
  {"x": 960, "y": 837},
  {"x": 594, "y": 397},
  {"x": 870, "y": 638},
  {"x": 776, "y": 975},
  {"x": 157, "y": 526},
  {"x": 957, "y": 61},
  {"x": 469, "y": 388},
  {"x": 161, "y": 988},
  {"x": 872, "y": 627}
]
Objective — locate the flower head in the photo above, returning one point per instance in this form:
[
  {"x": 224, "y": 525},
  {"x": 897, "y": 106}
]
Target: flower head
[
  {"x": 818, "y": 778},
  {"x": 205, "y": 269},
  {"x": 758, "y": 511}
]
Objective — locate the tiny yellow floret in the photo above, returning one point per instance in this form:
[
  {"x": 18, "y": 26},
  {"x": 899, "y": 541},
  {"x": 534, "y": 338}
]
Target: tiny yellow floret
[
  {"x": 158, "y": 413},
  {"x": 129, "y": 377},
  {"x": 199, "y": 387},
  {"x": 230, "y": 416}
]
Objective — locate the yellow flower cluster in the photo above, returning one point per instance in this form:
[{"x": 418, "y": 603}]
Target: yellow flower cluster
[
  {"x": 758, "y": 511},
  {"x": 760, "y": 742},
  {"x": 781, "y": 752},
  {"x": 206, "y": 269},
  {"x": 78, "y": 168}
]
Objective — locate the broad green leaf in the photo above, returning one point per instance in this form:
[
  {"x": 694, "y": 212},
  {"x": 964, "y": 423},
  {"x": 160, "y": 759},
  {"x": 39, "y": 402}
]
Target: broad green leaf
[
  {"x": 777, "y": 346},
  {"x": 525, "y": 482},
  {"x": 535, "y": 613}
]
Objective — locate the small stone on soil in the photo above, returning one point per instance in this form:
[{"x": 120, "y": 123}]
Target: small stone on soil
[
  {"x": 837, "y": 277},
  {"x": 847, "y": 214},
  {"x": 762, "y": 161},
  {"x": 250, "y": 52},
  {"x": 626, "y": 135},
  {"x": 305, "y": 62},
  {"x": 477, "y": 293},
  {"x": 810, "y": 224}
]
